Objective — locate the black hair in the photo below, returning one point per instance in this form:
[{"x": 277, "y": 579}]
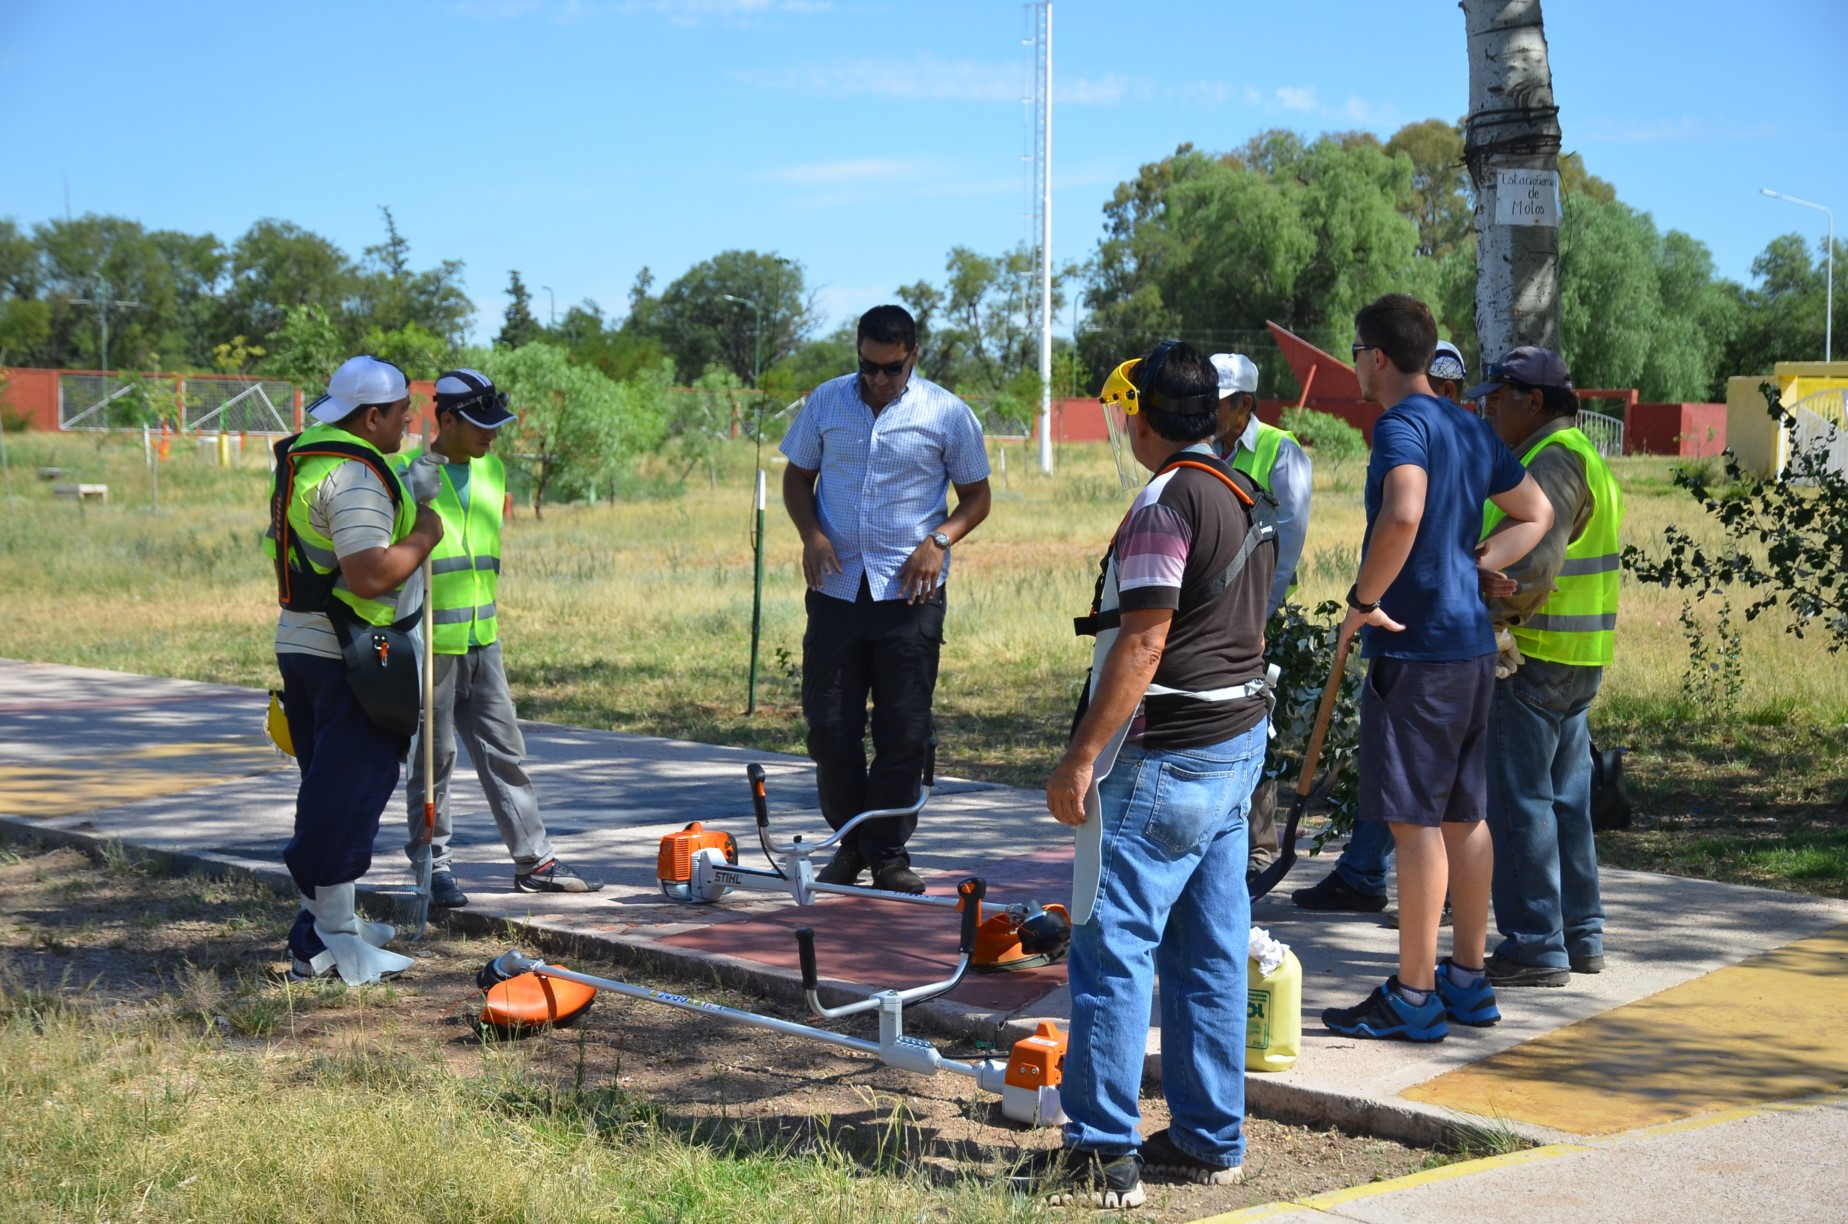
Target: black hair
[
  {"x": 888, "y": 325},
  {"x": 1184, "y": 373},
  {"x": 1400, "y": 326}
]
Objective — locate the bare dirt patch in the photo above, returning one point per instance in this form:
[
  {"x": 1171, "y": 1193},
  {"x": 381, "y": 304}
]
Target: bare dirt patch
[{"x": 126, "y": 936}]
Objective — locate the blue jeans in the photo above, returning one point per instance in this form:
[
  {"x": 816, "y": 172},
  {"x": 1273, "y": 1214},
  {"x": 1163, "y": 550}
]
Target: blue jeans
[
  {"x": 1364, "y": 859},
  {"x": 1171, "y": 901},
  {"x": 1547, "y": 905}
]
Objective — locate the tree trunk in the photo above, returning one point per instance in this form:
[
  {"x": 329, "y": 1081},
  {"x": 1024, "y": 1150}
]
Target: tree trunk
[{"x": 1511, "y": 147}]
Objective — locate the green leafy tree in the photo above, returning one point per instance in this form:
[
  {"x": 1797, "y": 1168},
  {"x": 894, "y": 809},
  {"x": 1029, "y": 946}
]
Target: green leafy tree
[
  {"x": 305, "y": 349},
  {"x": 813, "y": 364},
  {"x": 1333, "y": 444},
  {"x": 977, "y": 334},
  {"x": 618, "y": 352},
  {"x": 699, "y": 421},
  {"x": 518, "y": 325},
  {"x": 698, "y": 325},
  {"x": 412, "y": 349},
  {"x": 576, "y": 427},
  {"x": 1441, "y": 205},
  {"x": 25, "y": 320},
  {"x": 1781, "y": 314},
  {"x": 278, "y": 267},
  {"x": 393, "y": 296}
]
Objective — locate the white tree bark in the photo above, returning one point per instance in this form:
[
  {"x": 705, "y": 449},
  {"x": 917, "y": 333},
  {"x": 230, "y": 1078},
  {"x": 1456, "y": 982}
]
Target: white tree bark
[{"x": 1511, "y": 147}]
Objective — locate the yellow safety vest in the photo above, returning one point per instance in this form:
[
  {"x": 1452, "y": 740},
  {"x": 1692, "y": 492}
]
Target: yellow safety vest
[
  {"x": 1258, "y": 463},
  {"x": 465, "y": 565},
  {"x": 311, "y": 546},
  {"x": 1578, "y": 625}
]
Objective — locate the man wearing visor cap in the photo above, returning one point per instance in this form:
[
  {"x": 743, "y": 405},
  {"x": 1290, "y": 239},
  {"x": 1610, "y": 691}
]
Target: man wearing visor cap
[
  {"x": 1560, "y": 606},
  {"x": 471, "y": 697}
]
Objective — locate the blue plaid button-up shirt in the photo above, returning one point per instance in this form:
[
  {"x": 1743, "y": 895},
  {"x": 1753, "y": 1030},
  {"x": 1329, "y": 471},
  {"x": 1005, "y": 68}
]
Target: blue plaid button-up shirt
[{"x": 885, "y": 479}]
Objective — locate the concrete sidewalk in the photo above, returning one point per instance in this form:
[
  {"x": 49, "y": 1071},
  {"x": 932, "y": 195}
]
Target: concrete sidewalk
[{"x": 1717, "y": 997}]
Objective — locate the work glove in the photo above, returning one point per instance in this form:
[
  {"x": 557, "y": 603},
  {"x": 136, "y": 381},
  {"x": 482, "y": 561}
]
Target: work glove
[
  {"x": 425, "y": 478},
  {"x": 1508, "y": 657}
]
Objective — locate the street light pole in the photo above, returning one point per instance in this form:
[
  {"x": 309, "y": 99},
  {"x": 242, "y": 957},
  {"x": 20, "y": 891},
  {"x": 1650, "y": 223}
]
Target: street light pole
[
  {"x": 1828, "y": 318},
  {"x": 551, "y": 306}
]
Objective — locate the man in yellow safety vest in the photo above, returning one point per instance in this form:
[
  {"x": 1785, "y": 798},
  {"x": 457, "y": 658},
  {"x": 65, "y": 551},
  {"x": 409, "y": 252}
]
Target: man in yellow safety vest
[
  {"x": 1277, "y": 463},
  {"x": 471, "y": 697},
  {"x": 346, "y": 538},
  {"x": 1561, "y": 607}
]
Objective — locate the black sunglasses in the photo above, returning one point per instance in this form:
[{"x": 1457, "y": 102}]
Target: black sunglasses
[{"x": 890, "y": 369}]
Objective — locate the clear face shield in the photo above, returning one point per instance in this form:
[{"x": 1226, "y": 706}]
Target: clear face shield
[{"x": 1121, "y": 401}]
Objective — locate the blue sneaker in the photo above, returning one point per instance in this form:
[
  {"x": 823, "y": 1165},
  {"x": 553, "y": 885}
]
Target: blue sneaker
[
  {"x": 1471, "y": 1005},
  {"x": 1386, "y": 1014}
]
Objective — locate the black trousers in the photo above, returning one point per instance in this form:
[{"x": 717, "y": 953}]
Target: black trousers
[{"x": 886, "y": 650}]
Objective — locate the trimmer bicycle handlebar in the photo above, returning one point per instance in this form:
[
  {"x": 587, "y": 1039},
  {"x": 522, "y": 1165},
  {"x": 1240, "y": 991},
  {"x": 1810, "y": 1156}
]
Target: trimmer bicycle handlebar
[{"x": 971, "y": 890}]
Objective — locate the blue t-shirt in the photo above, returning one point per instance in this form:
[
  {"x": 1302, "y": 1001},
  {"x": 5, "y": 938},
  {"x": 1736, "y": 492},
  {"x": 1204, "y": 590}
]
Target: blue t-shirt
[{"x": 1436, "y": 596}]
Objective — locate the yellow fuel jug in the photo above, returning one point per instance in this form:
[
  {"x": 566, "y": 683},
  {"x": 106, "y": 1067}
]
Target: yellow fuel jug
[{"x": 1274, "y": 1016}]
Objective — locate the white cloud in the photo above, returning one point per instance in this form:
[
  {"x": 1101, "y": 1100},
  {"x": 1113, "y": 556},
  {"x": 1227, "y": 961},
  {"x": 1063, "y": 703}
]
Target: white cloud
[
  {"x": 1362, "y": 111},
  {"x": 1106, "y": 90},
  {"x": 1295, "y": 97}
]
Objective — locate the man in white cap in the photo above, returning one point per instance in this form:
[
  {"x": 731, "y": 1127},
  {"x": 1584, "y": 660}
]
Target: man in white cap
[
  {"x": 1274, "y": 459},
  {"x": 347, "y": 539},
  {"x": 471, "y": 695}
]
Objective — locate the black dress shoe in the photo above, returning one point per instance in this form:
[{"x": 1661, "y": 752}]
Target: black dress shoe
[
  {"x": 1588, "y": 964},
  {"x": 844, "y": 868},
  {"x": 1506, "y": 971}
]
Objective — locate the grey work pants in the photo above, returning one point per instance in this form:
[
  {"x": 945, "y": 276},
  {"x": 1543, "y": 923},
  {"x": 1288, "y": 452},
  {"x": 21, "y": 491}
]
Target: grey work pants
[
  {"x": 1262, "y": 824},
  {"x": 472, "y": 700}
]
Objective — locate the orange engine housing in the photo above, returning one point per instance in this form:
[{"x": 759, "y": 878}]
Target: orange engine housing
[
  {"x": 675, "y": 862},
  {"x": 1038, "y": 1061}
]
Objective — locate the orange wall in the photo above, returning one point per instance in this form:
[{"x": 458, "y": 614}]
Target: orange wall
[{"x": 34, "y": 395}]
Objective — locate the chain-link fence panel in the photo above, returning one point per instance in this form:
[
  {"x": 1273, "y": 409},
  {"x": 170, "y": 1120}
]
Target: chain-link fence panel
[{"x": 238, "y": 405}]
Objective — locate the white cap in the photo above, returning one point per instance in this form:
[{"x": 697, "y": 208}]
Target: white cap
[
  {"x": 360, "y": 380},
  {"x": 1236, "y": 373}
]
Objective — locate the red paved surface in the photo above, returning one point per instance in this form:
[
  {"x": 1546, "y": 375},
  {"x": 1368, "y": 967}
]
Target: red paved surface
[{"x": 891, "y": 944}]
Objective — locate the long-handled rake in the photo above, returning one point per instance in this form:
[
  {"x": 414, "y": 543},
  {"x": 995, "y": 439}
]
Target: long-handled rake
[
  {"x": 425, "y": 854},
  {"x": 1262, "y": 882}
]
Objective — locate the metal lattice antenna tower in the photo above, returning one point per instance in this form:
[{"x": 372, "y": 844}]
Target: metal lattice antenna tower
[{"x": 1040, "y": 313}]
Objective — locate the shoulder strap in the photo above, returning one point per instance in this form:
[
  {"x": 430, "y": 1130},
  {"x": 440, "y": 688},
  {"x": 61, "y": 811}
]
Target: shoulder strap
[{"x": 318, "y": 595}]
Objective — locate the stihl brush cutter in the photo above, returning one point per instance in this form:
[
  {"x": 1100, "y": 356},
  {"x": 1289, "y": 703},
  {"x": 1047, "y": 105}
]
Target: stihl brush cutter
[
  {"x": 697, "y": 866},
  {"x": 1027, "y": 1082}
]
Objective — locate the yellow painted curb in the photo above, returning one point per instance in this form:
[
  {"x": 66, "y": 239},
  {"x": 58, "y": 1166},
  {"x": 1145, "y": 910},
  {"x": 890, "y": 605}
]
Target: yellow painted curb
[
  {"x": 1424, "y": 1177},
  {"x": 1772, "y": 1028}
]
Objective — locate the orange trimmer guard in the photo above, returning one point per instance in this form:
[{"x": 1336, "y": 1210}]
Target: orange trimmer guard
[{"x": 528, "y": 1001}]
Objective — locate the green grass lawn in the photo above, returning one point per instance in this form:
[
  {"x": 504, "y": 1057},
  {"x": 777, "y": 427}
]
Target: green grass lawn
[{"x": 636, "y": 617}]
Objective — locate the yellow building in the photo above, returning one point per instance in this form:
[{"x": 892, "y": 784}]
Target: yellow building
[{"x": 1819, "y": 387}]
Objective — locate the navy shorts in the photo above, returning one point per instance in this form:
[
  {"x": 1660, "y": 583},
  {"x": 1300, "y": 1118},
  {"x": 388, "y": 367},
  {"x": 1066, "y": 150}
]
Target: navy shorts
[{"x": 1424, "y": 734}]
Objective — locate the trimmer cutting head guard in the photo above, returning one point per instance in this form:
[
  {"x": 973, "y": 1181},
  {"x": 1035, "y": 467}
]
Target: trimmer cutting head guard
[
  {"x": 521, "y": 1002},
  {"x": 1022, "y": 937}
]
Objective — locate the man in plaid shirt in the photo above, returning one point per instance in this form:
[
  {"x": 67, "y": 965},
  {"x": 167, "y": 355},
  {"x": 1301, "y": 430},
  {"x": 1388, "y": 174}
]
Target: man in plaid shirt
[{"x": 872, "y": 457}]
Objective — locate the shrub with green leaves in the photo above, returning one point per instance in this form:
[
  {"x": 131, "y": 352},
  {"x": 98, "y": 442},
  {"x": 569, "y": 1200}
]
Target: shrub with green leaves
[{"x": 1301, "y": 644}]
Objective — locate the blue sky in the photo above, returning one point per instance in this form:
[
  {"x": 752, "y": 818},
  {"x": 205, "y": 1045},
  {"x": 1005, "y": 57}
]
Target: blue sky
[{"x": 579, "y": 140}]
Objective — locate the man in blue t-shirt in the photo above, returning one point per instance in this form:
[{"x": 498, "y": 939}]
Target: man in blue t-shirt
[{"x": 1425, "y": 708}]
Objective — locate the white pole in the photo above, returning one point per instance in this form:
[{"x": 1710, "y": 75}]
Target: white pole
[
  {"x": 1045, "y": 353},
  {"x": 1828, "y": 319}
]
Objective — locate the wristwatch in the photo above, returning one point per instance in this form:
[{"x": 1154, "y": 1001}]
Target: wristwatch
[
  {"x": 1353, "y": 600},
  {"x": 940, "y": 538}
]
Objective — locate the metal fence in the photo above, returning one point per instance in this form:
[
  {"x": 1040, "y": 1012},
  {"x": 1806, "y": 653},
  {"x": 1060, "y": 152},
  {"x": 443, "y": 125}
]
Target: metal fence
[
  {"x": 257, "y": 405},
  {"x": 1605, "y": 432},
  {"x": 195, "y": 404},
  {"x": 1822, "y": 422}
]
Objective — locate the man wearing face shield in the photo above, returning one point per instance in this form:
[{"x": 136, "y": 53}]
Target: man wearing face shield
[
  {"x": 1157, "y": 779},
  {"x": 872, "y": 458}
]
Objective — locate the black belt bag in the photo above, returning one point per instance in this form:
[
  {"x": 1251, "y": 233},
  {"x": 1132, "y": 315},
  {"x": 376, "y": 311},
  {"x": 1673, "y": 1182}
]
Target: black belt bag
[{"x": 383, "y": 669}]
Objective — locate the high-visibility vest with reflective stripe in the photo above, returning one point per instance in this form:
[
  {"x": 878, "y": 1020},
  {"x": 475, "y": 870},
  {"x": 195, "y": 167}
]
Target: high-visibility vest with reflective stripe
[
  {"x": 318, "y": 550},
  {"x": 1578, "y": 625},
  {"x": 1258, "y": 463},
  {"x": 465, "y": 565}
]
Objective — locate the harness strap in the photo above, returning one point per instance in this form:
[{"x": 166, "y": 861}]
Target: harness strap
[
  {"x": 319, "y": 597},
  {"x": 1262, "y": 529}
]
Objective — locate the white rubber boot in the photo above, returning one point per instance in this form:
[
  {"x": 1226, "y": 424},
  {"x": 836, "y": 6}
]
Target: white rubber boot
[
  {"x": 349, "y": 948},
  {"x": 378, "y": 934}
]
